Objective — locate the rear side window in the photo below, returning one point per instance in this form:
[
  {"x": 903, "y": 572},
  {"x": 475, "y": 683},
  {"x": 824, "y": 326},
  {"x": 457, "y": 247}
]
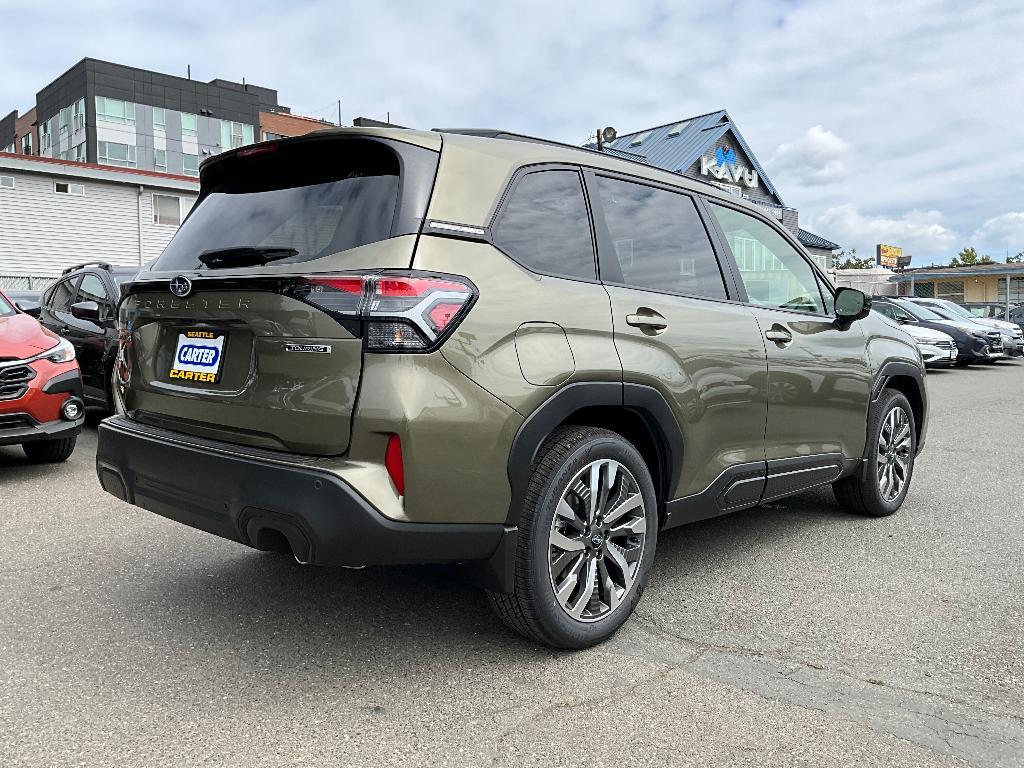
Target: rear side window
[
  {"x": 6, "y": 310},
  {"x": 660, "y": 242},
  {"x": 545, "y": 227},
  {"x": 318, "y": 198},
  {"x": 59, "y": 297}
]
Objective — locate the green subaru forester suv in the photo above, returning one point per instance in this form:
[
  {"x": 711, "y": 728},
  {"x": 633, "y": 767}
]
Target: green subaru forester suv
[{"x": 382, "y": 346}]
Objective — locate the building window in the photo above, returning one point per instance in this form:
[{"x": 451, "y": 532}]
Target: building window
[
  {"x": 112, "y": 153},
  {"x": 78, "y": 153},
  {"x": 62, "y": 120},
  {"x": 166, "y": 210},
  {"x": 268, "y": 136},
  {"x": 26, "y": 144},
  {"x": 79, "y": 111},
  {"x": 65, "y": 188},
  {"x": 952, "y": 290},
  {"x": 44, "y": 136},
  {"x": 1016, "y": 291},
  {"x": 160, "y": 159},
  {"x": 6, "y": 182},
  {"x": 160, "y": 118},
  {"x": 190, "y": 164},
  {"x": 638, "y": 140},
  {"x": 114, "y": 111},
  {"x": 189, "y": 124},
  {"x": 9, "y": 148},
  {"x": 924, "y": 290},
  {"x": 234, "y": 135}
]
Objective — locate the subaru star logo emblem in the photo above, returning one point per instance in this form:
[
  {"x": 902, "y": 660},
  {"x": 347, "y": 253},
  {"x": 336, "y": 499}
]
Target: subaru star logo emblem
[{"x": 181, "y": 286}]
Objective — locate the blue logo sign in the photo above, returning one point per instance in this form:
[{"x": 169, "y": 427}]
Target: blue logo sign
[
  {"x": 725, "y": 155},
  {"x": 195, "y": 354}
]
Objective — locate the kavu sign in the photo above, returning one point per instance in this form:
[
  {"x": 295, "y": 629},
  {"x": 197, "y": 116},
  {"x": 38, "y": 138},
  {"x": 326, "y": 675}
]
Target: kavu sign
[
  {"x": 724, "y": 167},
  {"x": 197, "y": 357}
]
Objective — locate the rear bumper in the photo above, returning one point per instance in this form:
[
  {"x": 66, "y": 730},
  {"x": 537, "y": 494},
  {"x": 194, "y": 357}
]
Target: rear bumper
[{"x": 241, "y": 497}]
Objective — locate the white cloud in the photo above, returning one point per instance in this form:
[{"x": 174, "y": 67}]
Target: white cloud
[
  {"x": 919, "y": 233},
  {"x": 1003, "y": 233},
  {"x": 897, "y": 107},
  {"x": 818, "y": 157}
]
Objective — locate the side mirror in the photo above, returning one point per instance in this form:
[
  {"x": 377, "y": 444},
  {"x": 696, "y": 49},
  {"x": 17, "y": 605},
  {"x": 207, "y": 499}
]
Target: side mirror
[
  {"x": 851, "y": 304},
  {"x": 86, "y": 310},
  {"x": 29, "y": 308}
]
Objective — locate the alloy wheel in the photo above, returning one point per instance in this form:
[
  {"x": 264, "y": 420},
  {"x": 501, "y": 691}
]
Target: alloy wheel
[
  {"x": 596, "y": 542},
  {"x": 894, "y": 453}
]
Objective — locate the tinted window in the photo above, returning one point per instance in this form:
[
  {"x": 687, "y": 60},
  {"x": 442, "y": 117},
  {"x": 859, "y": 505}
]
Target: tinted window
[
  {"x": 918, "y": 312},
  {"x": 6, "y": 309},
  {"x": 59, "y": 297},
  {"x": 774, "y": 273},
  {"x": 545, "y": 227},
  {"x": 893, "y": 312},
  {"x": 659, "y": 240},
  {"x": 314, "y": 199},
  {"x": 91, "y": 289}
]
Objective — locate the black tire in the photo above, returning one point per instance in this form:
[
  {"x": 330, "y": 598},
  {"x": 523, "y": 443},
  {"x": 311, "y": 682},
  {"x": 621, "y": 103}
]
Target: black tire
[
  {"x": 49, "y": 451},
  {"x": 862, "y": 493},
  {"x": 533, "y": 609}
]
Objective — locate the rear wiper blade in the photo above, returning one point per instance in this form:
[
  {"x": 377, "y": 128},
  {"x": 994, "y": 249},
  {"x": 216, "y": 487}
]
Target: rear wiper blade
[{"x": 244, "y": 256}]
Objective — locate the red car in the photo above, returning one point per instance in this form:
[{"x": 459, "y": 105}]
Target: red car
[{"x": 41, "y": 405}]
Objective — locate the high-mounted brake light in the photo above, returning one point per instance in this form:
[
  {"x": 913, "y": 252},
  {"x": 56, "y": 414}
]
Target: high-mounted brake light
[
  {"x": 259, "y": 149},
  {"x": 405, "y": 311}
]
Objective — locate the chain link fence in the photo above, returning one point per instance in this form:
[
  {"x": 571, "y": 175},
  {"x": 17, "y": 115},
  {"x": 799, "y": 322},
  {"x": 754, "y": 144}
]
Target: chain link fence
[{"x": 12, "y": 282}]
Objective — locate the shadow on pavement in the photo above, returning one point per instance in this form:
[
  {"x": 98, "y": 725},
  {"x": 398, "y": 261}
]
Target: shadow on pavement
[{"x": 277, "y": 609}]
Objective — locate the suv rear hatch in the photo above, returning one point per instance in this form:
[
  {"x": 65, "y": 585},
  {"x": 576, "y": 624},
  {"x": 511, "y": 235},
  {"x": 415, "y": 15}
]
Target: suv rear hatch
[{"x": 248, "y": 328}]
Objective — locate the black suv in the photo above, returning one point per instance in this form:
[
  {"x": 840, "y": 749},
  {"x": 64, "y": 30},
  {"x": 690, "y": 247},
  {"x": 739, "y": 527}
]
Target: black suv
[{"x": 81, "y": 306}]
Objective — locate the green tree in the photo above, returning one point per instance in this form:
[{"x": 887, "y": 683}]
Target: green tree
[
  {"x": 1018, "y": 259},
  {"x": 850, "y": 260},
  {"x": 968, "y": 257}
]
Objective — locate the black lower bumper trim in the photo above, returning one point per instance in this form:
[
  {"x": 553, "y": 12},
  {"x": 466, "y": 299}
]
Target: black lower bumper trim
[
  {"x": 30, "y": 433},
  {"x": 243, "y": 497}
]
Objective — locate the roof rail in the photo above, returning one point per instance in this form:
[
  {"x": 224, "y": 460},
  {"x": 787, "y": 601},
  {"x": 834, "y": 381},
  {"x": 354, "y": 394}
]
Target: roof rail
[
  {"x": 618, "y": 154},
  {"x": 100, "y": 264}
]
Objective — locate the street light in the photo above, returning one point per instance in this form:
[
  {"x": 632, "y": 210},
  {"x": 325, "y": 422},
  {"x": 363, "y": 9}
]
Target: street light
[{"x": 605, "y": 136}]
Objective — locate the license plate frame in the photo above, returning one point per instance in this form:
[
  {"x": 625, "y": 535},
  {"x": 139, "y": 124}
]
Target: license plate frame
[{"x": 198, "y": 357}]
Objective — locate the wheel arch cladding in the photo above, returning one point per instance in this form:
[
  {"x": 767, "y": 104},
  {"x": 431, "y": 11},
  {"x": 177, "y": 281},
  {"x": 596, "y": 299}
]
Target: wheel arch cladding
[
  {"x": 637, "y": 412},
  {"x": 908, "y": 380}
]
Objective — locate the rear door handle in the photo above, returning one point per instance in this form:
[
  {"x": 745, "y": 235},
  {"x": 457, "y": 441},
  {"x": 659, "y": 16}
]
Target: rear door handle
[
  {"x": 646, "y": 318},
  {"x": 778, "y": 334}
]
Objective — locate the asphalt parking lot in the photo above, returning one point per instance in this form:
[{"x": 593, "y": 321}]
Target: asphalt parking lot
[{"x": 787, "y": 635}]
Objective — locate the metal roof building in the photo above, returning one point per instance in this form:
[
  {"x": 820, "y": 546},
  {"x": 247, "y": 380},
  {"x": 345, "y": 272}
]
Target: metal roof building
[{"x": 711, "y": 147}]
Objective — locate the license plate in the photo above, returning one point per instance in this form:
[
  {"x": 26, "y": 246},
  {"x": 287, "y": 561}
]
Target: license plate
[{"x": 198, "y": 357}]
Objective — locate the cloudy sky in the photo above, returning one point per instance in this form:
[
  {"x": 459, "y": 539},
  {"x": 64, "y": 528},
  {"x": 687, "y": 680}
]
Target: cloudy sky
[{"x": 897, "y": 122}]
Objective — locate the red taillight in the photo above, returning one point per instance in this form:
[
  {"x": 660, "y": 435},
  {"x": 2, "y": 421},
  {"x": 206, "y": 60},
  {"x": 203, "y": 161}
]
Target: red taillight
[
  {"x": 393, "y": 463},
  {"x": 403, "y": 312},
  {"x": 343, "y": 284}
]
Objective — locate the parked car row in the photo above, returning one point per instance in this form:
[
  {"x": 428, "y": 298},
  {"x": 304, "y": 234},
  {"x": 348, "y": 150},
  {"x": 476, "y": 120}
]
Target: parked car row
[{"x": 949, "y": 334}]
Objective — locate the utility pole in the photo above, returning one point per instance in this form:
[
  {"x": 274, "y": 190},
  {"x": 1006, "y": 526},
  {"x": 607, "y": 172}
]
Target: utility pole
[
  {"x": 600, "y": 141},
  {"x": 339, "y": 113}
]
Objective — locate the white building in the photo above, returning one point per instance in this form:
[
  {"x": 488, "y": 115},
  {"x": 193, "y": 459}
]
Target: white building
[{"x": 56, "y": 213}]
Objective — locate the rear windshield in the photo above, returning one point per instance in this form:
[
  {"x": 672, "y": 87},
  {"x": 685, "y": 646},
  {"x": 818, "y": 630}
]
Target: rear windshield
[
  {"x": 317, "y": 198},
  {"x": 6, "y": 310}
]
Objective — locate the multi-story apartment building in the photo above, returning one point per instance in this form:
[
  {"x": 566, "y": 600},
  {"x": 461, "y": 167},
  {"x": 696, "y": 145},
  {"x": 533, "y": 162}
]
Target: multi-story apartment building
[{"x": 111, "y": 114}]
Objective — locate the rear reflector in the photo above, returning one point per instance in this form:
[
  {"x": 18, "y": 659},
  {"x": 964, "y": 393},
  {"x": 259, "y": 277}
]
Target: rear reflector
[
  {"x": 393, "y": 463},
  {"x": 406, "y": 311}
]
